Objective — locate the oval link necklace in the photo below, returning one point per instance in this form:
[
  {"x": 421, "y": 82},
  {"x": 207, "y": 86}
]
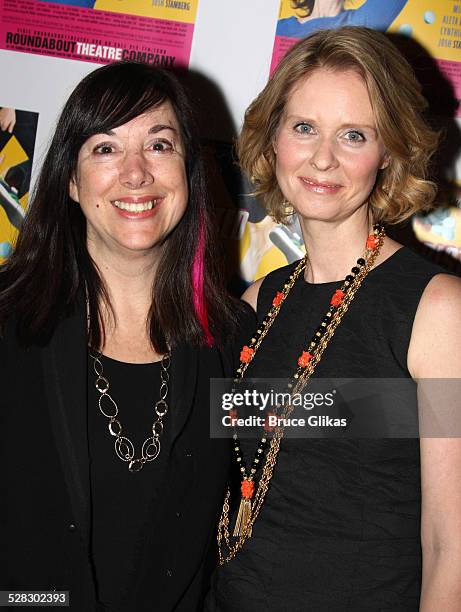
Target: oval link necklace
[
  {"x": 307, "y": 362},
  {"x": 124, "y": 447}
]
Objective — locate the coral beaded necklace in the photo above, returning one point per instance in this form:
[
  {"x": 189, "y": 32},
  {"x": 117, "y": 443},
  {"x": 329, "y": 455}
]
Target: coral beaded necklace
[{"x": 252, "y": 496}]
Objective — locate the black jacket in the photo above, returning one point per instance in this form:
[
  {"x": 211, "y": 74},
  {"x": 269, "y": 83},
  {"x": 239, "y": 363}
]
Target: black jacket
[{"x": 45, "y": 526}]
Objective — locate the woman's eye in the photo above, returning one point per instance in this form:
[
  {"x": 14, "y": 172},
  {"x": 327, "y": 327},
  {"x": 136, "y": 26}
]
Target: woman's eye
[
  {"x": 354, "y": 136},
  {"x": 104, "y": 149},
  {"x": 304, "y": 128},
  {"x": 162, "y": 146}
]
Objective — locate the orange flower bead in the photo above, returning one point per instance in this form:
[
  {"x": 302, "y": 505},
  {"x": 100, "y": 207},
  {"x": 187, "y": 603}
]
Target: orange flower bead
[
  {"x": 246, "y": 354},
  {"x": 372, "y": 242},
  {"x": 337, "y": 297},
  {"x": 304, "y": 359},
  {"x": 278, "y": 299},
  {"x": 247, "y": 488}
]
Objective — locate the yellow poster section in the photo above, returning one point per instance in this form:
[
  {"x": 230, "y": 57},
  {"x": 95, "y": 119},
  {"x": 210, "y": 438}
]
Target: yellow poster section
[
  {"x": 286, "y": 9},
  {"x": 435, "y": 24},
  {"x": 271, "y": 259},
  {"x": 173, "y": 10},
  {"x": 11, "y": 155}
]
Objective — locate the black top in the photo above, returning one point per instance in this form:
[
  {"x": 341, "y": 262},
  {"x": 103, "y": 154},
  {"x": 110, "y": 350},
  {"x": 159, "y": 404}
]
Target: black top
[
  {"x": 45, "y": 526},
  {"x": 120, "y": 498},
  {"x": 340, "y": 527}
]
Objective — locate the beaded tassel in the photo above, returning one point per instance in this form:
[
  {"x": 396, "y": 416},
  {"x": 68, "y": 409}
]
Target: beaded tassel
[
  {"x": 244, "y": 513},
  {"x": 243, "y": 517}
]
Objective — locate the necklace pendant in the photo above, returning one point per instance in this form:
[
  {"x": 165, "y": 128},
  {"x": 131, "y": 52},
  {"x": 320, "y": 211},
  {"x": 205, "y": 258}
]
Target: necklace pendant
[
  {"x": 244, "y": 514},
  {"x": 136, "y": 465},
  {"x": 243, "y": 518}
]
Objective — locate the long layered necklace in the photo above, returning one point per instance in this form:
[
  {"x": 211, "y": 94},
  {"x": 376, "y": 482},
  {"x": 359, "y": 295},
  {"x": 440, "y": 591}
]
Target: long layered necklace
[
  {"x": 252, "y": 496},
  {"x": 124, "y": 447}
]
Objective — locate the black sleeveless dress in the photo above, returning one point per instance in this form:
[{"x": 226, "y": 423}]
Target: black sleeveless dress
[{"x": 339, "y": 530}]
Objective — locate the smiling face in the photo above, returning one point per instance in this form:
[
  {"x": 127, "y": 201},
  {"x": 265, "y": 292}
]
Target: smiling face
[
  {"x": 131, "y": 183},
  {"x": 328, "y": 150}
]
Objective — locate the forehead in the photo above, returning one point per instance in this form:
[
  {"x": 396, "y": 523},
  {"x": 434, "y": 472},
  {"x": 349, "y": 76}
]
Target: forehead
[
  {"x": 161, "y": 115},
  {"x": 331, "y": 93}
]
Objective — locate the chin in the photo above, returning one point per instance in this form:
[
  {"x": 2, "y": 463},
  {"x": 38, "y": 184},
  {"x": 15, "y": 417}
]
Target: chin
[
  {"x": 318, "y": 213},
  {"x": 139, "y": 244}
]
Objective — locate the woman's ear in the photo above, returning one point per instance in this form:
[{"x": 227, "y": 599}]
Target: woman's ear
[
  {"x": 73, "y": 190},
  {"x": 385, "y": 162}
]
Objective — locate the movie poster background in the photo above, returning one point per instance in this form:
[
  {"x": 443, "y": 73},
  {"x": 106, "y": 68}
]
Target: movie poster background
[
  {"x": 229, "y": 56},
  {"x": 101, "y": 31},
  {"x": 18, "y": 130}
]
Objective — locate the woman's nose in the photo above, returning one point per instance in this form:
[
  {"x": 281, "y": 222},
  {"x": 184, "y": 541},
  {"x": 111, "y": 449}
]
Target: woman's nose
[
  {"x": 323, "y": 156},
  {"x": 135, "y": 172}
]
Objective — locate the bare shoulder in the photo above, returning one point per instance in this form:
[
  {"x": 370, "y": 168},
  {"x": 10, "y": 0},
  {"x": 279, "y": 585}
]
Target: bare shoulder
[
  {"x": 442, "y": 296},
  {"x": 250, "y": 296},
  {"x": 435, "y": 345}
]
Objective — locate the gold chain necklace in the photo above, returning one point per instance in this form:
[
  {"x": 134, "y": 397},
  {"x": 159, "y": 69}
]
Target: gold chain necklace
[
  {"x": 307, "y": 362},
  {"x": 124, "y": 447}
]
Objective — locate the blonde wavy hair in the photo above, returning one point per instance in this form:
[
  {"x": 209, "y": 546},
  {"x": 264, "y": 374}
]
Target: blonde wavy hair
[{"x": 402, "y": 188}]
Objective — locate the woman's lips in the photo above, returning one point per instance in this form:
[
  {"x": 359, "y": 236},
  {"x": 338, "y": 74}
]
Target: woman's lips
[
  {"x": 137, "y": 207},
  {"x": 321, "y": 188}
]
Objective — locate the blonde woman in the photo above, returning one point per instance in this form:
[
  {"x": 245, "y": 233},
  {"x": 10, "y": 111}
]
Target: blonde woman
[{"x": 349, "y": 524}]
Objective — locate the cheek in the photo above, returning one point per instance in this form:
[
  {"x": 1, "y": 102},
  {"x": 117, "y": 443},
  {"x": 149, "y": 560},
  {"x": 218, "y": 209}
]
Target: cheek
[
  {"x": 362, "y": 168},
  {"x": 173, "y": 181},
  {"x": 288, "y": 156},
  {"x": 178, "y": 180},
  {"x": 95, "y": 183},
  {"x": 184, "y": 199}
]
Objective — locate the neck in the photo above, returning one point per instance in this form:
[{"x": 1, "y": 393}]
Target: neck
[
  {"x": 333, "y": 248},
  {"x": 128, "y": 279}
]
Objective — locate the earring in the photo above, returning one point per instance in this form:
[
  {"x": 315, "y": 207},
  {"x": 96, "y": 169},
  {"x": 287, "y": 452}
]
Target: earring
[
  {"x": 287, "y": 207},
  {"x": 386, "y": 162}
]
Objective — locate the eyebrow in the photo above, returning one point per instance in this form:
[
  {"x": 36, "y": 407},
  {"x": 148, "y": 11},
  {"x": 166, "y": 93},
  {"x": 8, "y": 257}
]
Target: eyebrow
[{"x": 159, "y": 127}]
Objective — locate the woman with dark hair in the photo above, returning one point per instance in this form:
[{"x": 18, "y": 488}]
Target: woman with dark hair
[
  {"x": 363, "y": 514},
  {"x": 113, "y": 320}
]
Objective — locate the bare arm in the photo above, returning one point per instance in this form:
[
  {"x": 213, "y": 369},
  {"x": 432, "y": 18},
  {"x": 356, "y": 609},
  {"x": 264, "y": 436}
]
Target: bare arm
[{"x": 435, "y": 353}]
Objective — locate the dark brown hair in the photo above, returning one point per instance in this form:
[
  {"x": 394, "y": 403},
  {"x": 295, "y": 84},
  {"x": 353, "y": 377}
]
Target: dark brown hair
[{"x": 51, "y": 263}]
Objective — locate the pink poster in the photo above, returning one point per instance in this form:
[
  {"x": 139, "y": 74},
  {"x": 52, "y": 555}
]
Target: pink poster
[{"x": 78, "y": 30}]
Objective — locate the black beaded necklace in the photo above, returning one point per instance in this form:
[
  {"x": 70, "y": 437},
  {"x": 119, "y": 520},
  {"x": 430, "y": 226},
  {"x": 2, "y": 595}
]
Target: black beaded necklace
[{"x": 306, "y": 364}]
